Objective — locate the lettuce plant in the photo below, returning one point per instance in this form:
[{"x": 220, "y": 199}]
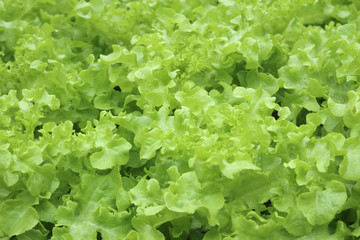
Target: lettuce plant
[{"x": 170, "y": 119}]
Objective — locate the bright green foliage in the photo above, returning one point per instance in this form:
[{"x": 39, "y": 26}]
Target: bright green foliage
[{"x": 159, "y": 119}]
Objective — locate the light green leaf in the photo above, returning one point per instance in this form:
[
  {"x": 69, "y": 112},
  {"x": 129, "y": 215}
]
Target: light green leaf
[
  {"x": 43, "y": 180},
  {"x": 320, "y": 206},
  {"x": 230, "y": 169},
  {"x": 32, "y": 235},
  {"x": 212, "y": 235},
  {"x": 186, "y": 195},
  {"x": 350, "y": 166},
  {"x": 147, "y": 193},
  {"x": 5, "y": 156},
  {"x": 93, "y": 209},
  {"x": 115, "y": 152},
  {"x": 296, "y": 224},
  {"x": 17, "y": 215},
  {"x": 145, "y": 231},
  {"x": 196, "y": 99}
]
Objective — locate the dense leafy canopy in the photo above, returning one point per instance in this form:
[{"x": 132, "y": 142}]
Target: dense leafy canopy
[{"x": 171, "y": 119}]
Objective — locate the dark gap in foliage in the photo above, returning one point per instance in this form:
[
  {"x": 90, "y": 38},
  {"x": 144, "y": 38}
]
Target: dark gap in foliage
[
  {"x": 165, "y": 230},
  {"x": 117, "y": 88},
  {"x": 275, "y": 114},
  {"x": 196, "y": 233},
  {"x": 347, "y": 131},
  {"x": 268, "y": 203},
  {"x": 124, "y": 171},
  {"x": 325, "y": 23},
  {"x": 280, "y": 94},
  {"x": 238, "y": 74},
  {"x": 72, "y": 19},
  {"x": 348, "y": 216},
  {"x": 220, "y": 88},
  {"x": 103, "y": 172},
  {"x": 272, "y": 65},
  {"x": 132, "y": 107},
  {"x": 9, "y": 55},
  {"x": 265, "y": 212},
  {"x": 204, "y": 126},
  {"x": 76, "y": 127},
  {"x": 332, "y": 226},
  {"x": 98, "y": 236},
  {"x": 319, "y": 131},
  {"x": 49, "y": 226},
  {"x": 273, "y": 144},
  {"x": 301, "y": 117},
  {"x": 37, "y": 134},
  {"x": 320, "y": 100},
  {"x": 132, "y": 209},
  {"x": 338, "y": 160},
  {"x": 129, "y": 171}
]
